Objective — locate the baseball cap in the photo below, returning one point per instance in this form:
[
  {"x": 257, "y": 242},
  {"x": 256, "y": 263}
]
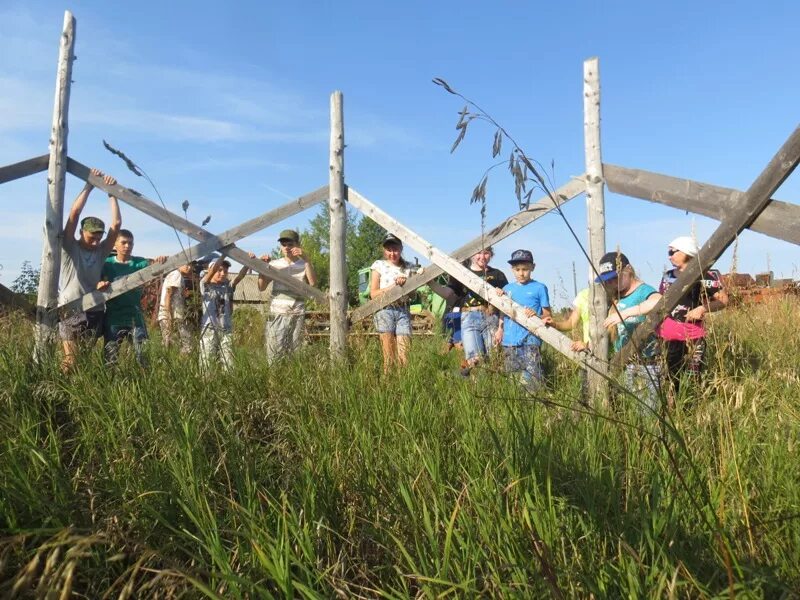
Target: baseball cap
[
  {"x": 519, "y": 256},
  {"x": 391, "y": 238},
  {"x": 289, "y": 234},
  {"x": 93, "y": 225},
  {"x": 686, "y": 245},
  {"x": 610, "y": 266}
]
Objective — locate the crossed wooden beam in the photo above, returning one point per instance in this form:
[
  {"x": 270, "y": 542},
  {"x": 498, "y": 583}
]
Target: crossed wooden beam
[
  {"x": 453, "y": 266},
  {"x": 501, "y": 231},
  {"x": 224, "y": 242},
  {"x": 754, "y": 209},
  {"x": 742, "y": 211}
]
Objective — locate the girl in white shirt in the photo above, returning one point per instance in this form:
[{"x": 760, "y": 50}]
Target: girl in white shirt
[{"x": 393, "y": 322}]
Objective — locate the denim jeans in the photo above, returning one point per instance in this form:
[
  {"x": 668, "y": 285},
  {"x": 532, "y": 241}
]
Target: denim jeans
[
  {"x": 114, "y": 335},
  {"x": 527, "y": 362},
  {"x": 477, "y": 333}
]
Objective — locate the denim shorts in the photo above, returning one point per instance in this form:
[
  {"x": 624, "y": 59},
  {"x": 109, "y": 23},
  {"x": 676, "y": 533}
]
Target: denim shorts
[{"x": 393, "y": 320}]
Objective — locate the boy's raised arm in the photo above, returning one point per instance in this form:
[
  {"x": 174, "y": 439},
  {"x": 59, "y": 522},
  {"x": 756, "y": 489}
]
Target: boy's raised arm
[
  {"x": 116, "y": 217},
  {"x": 75, "y": 211}
]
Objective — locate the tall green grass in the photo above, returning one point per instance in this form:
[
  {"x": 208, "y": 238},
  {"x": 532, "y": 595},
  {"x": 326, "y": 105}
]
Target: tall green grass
[{"x": 315, "y": 480}]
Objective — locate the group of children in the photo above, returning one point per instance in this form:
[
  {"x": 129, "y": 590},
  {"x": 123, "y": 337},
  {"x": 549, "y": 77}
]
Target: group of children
[
  {"x": 285, "y": 324},
  {"x": 88, "y": 263},
  {"x": 91, "y": 262},
  {"x": 481, "y": 327},
  {"x": 678, "y": 345}
]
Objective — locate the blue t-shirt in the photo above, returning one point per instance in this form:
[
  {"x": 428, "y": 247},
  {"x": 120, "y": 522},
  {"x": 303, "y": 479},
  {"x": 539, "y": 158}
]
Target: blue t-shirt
[
  {"x": 530, "y": 295},
  {"x": 624, "y": 330}
]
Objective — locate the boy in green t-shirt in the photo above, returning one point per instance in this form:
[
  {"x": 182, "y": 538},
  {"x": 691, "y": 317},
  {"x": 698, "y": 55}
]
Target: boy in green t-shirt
[{"x": 124, "y": 318}]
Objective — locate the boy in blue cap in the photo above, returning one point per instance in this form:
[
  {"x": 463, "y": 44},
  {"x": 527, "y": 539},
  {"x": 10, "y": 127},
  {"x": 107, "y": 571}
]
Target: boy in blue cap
[{"x": 522, "y": 349}]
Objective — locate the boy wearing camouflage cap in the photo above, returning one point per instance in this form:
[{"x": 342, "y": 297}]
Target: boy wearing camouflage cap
[
  {"x": 81, "y": 265},
  {"x": 283, "y": 333}
]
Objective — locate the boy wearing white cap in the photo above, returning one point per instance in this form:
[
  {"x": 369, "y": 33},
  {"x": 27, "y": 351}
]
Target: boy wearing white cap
[{"x": 683, "y": 330}]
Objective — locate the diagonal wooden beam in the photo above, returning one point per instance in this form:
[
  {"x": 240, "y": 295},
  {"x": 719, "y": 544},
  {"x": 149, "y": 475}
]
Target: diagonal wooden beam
[
  {"x": 511, "y": 225},
  {"x": 159, "y": 213},
  {"x": 223, "y": 242},
  {"x": 24, "y": 168},
  {"x": 741, "y": 216},
  {"x": 533, "y": 324},
  {"x": 780, "y": 220}
]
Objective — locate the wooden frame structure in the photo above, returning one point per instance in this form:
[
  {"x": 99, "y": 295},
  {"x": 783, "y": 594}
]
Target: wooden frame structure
[{"x": 737, "y": 210}]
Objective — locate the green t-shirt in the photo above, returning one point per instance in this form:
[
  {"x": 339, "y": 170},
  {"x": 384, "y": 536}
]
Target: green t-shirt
[{"x": 124, "y": 310}]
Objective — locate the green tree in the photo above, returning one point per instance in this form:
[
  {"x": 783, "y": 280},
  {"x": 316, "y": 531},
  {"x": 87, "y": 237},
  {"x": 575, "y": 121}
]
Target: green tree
[
  {"x": 362, "y": 247},
  {"x": 28, "y": 280}
]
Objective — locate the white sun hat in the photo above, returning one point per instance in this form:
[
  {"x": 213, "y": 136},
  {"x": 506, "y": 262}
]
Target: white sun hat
[{"x": 685, "y": 244}]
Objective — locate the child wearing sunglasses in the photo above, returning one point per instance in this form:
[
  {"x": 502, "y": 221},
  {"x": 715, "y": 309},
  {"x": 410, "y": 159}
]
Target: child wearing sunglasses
[{"x": 683, "y": 330}]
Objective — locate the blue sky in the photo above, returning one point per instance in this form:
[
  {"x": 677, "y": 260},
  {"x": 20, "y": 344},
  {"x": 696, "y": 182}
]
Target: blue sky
[{"x": 227, "y": 106}]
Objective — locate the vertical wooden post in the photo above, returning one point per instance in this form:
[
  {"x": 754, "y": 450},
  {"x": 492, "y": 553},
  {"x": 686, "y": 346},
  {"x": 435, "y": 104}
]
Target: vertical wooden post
[
  {"x": 596, "y": 220},
  {"x": 338, "y": 213},
  {"x": 47, "y": 299}
]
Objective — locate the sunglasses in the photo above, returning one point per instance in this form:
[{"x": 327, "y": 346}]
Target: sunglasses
[{"x": 672, "y": 251}]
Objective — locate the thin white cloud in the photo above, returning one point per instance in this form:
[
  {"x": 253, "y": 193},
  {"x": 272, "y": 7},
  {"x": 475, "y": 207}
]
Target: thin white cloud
[
  {"x": 163, "y": 125},
  {"x": 224, "y": 164}
]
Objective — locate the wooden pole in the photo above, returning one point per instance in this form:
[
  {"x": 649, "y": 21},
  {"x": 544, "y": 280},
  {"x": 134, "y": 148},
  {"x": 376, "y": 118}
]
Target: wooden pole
[
  {"x": 338, "y": 213},
  {"x": 47, "y": 298},
  {"x": 740, "y": 217},
  {"x": 596, "y": 220}
]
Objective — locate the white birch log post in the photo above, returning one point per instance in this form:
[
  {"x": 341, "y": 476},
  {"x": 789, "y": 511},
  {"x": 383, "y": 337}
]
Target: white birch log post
[
  {"x": 46, "y": 317},
  {"x": 596, "y": 221},
  {"x": 338, "y": 213},
  {"x": 550, "y": 335}
]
